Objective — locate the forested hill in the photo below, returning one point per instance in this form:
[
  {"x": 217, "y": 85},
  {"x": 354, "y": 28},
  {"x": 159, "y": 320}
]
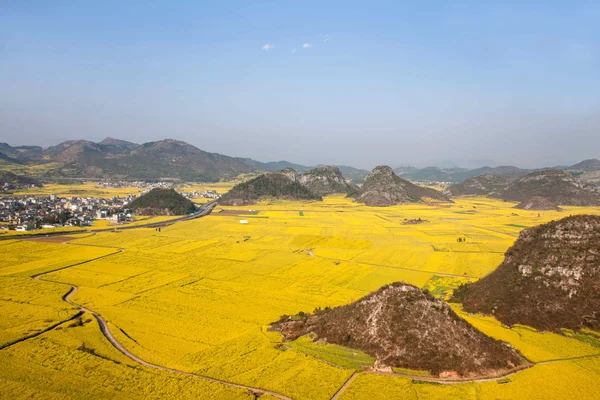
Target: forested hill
[
  {"x": 270, "y": 185},
  {"x": 162, "y": 202}
]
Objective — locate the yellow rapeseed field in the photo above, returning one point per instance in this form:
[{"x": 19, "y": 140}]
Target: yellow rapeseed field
[
  {"x": 199, "y": 297},
  {"x": 78, "y": 190}
]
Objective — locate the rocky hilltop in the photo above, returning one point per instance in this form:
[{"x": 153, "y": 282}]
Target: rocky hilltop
[
  {"x": 384, "y": 188},
  {"x": 557, "y": 186},
  {"x": 538, "y": 203},
  {"x": 481, "y": 185},
  {"x": 550, "y": 278},
  {"x": 279, "y": 185},
  {"x": 326, "y": 180},
  {"x": 290, "y": 173},
  {"x": 162, "y": 202},
  {"x": 402, "y": 326}
]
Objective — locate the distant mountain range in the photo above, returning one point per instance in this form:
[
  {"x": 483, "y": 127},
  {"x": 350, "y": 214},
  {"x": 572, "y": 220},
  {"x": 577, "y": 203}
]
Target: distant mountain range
[
  {"x": 435, "y": 174},
  {"x": 119, "y": 159},
  {"x": 176, "y": 160},
  {"x": 586, "y": 171}
]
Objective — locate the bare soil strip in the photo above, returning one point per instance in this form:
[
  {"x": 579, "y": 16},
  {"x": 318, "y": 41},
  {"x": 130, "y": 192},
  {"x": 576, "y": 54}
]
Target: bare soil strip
[
  {"x": 345, "y": 386},
  {"x": 116, "y": 344}
]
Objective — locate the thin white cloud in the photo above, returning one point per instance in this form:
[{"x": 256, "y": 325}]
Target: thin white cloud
[
  {"x": 267, "y": 47},
  {"x": 306, "y": 45},
  {"x": 293, "y": 51},
  {"x": 326, "y": 38}
]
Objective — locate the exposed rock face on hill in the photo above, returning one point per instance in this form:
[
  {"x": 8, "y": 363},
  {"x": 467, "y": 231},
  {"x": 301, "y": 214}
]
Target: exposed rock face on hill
[
  {"x": 326, "y": 180},
  {"x": 537, "y": 203},
  {"x": 290, "y": 173},
  {"x": 550, "y": 278},
  {"x": 555, "y": 185},
  {"x": 383, "y": 188},
  {"x": 162, "y": 202},
  {"x": 593, "y": 187},
  {"x": 270, "y": 185},
  {"x": 402, "y": 326},
  {"x": 355, "y": 175},
  {"x": 481, "y": 185}
]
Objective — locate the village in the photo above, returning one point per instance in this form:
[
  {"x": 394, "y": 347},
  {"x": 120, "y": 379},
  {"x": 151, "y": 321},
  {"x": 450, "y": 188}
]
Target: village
[{"x": 28, "y": 212}]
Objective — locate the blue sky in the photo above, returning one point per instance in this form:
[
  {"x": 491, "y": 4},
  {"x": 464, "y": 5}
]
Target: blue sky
[{"x": 382, "y": 82}]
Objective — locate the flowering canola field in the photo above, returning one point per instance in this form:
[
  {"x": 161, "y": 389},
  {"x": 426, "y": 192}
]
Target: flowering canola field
[{"x": 199, "y": 297}]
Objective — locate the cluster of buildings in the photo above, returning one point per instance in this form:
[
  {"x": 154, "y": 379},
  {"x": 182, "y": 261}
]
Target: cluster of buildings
[
  {"x": 28, "y": 213},
  {"x": 136, "y": 184},
  {"x": 148, "y": 186},
  {"x": 199, "y": 194}
]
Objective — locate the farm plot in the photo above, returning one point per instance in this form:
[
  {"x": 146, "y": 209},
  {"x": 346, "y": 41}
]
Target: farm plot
[{"x": 200, "y": 295}]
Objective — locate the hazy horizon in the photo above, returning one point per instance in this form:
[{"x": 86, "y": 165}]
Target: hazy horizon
[{"x": 317, "y": 83}]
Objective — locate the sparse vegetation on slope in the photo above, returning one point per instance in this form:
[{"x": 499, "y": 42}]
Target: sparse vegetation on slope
[
  {"x": 549, "y": 278},
  {"x": 162, "y": 202},
  {"x": 384, "y": 188},
  {"x": 402, "y": 326},
  {"x": 326, "y": 180},
  {"x": 555, "y": 185}
]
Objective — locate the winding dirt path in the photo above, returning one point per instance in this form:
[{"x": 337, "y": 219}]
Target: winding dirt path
[
  {"x": 345, "y": 386},
  {"x": 116, "y": 344}
]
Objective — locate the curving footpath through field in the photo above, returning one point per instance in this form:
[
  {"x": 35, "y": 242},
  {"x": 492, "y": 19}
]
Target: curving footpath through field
[{"x": 116, "y": 344}]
